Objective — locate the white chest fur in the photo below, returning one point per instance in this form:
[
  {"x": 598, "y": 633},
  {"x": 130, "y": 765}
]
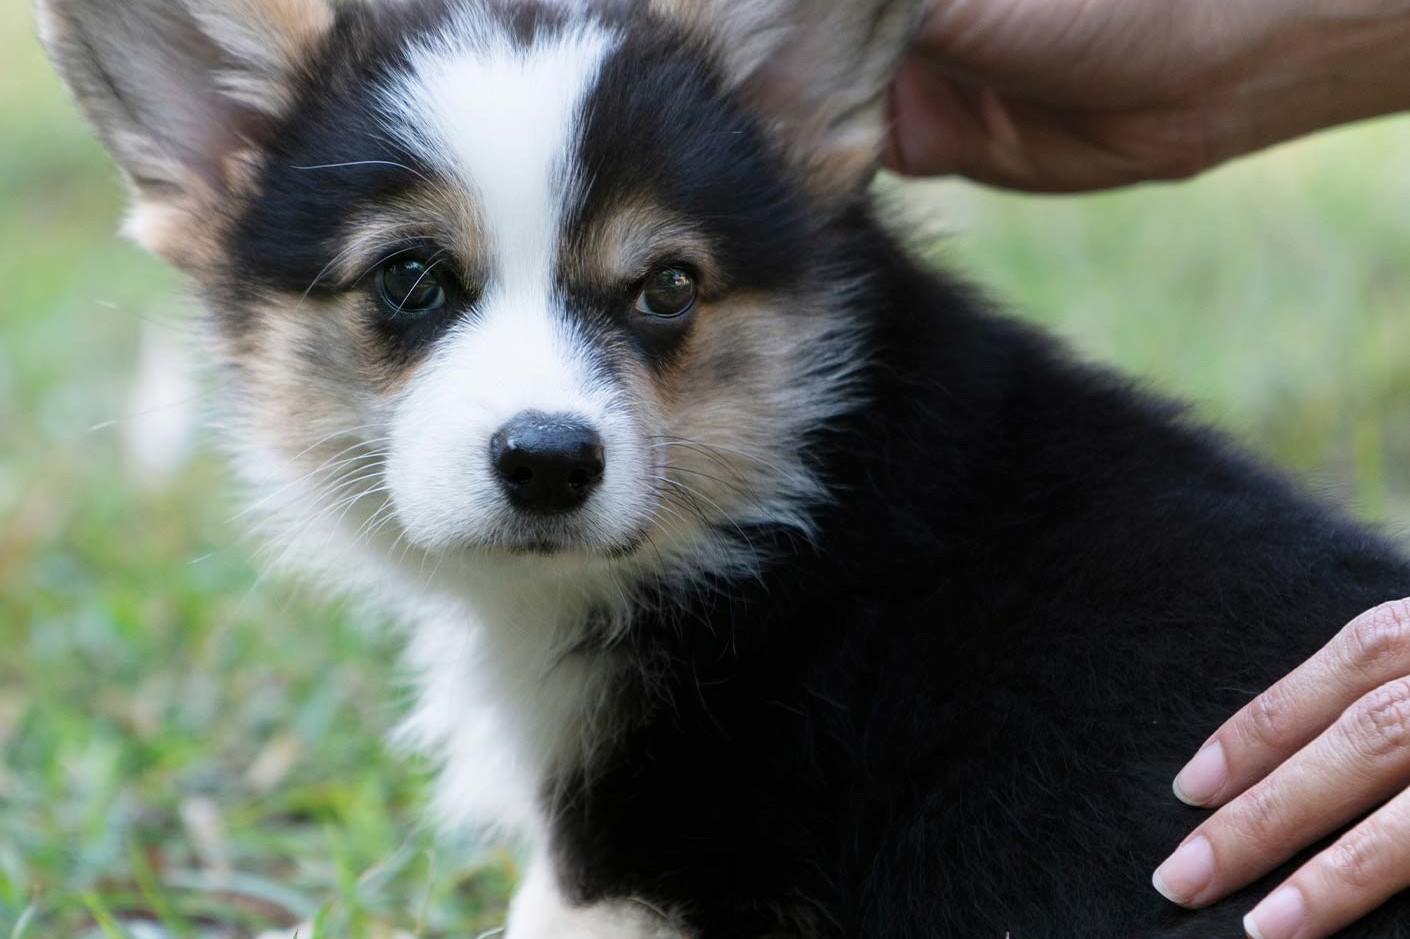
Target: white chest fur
[
  {"x": 502, "y": 705},
  {"x": 502, "y": 701}
]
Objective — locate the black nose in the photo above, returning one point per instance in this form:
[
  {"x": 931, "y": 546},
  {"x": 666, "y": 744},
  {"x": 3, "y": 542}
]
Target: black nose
[{"x": 547, "y": 462}]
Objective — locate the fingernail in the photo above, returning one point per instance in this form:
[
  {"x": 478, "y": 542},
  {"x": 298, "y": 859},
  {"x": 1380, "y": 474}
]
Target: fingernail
[
  {"x": 1201, "y": 780},
  {"x": 1186, "y": 874},
  {"x": 1278, "y": 917}
]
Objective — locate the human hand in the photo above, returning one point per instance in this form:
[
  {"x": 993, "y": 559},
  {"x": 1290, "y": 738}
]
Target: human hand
[
  {"x": 1068, "y": 95},
  {"x": 1318, "y": 750}
]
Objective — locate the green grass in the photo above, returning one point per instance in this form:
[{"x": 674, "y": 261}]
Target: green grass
[{"x": 186, "y": 743}]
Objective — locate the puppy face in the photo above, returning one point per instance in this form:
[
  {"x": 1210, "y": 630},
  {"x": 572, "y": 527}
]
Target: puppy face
[
  {"x": 533, "y": 282},
  {"x": 503, "y": 279}
]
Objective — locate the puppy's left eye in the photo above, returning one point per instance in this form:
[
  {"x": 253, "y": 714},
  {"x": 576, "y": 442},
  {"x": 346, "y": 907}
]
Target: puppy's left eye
[
  {"x": 412, "y": 286},
  {"x": 667, "y": 293}
]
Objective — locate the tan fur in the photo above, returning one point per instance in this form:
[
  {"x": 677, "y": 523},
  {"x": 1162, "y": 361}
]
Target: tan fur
[
  {"x": 175, "y": 231},
  {"x": 738, "y": 388},
  {"x": 739, "y": 399},
  {"x": 639, "y": 236},
  {"x": 445, "y": 216},
  {"x": 322, "y": 409},
  {"x": 302, "y": 402},
  {"x": 278, "y": 33},
  {"x": 270, "y": 38},
  {"x": 305, "y": 398}
]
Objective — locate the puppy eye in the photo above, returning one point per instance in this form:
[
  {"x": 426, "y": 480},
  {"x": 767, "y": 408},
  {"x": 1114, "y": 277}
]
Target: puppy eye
[
  {"x": 412, "y": 286},
  {"x": 667, "y": 294}
]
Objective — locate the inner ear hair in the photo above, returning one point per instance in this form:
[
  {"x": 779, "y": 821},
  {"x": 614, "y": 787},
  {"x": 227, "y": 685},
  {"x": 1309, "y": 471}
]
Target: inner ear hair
[
  {"x": 816, "y": 70},
  {"x": 182, "y": 93},
  {"x": 176, "y": 87}
]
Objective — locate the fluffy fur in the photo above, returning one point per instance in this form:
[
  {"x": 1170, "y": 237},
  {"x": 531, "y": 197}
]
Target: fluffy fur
[{"x": 886, "y": 618}]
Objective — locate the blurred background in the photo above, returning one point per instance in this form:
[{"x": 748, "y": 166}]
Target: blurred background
[{"x": 189, "y": 748}]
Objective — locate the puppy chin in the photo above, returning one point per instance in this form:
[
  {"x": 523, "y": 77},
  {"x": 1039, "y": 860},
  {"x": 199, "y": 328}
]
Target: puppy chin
[
  {"x": 569, "y": 549},
  {"x": 577, "y": 537}
]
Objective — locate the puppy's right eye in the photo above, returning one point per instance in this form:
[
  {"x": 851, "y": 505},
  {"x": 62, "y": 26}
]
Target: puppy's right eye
[{"x": 412, "y": 287}]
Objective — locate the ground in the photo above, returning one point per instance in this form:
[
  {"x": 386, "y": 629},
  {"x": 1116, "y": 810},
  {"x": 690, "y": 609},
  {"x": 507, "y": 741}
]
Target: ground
[{"x": 189, "y": 748}]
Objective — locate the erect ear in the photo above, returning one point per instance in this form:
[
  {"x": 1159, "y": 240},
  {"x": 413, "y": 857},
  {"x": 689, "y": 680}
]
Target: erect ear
[
  {"x": 818, "y": 70},
  {"x": 182, "y": 92}
]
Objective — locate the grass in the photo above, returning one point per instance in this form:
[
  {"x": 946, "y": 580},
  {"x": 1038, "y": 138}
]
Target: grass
[{"x": 188, "y": 749}]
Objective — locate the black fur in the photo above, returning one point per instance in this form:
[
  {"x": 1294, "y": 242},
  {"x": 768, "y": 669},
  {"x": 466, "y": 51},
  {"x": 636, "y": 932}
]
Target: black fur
[
  {"x": 298, "y": 217},
  {"x": 660, "y": 128},
  {"x": 958, "y": 712}
]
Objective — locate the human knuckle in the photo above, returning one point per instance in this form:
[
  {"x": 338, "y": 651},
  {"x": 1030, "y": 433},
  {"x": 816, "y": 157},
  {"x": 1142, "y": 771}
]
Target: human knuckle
[
  {"x": 1380, "y": 725},
  {"x": 1268, "y": 715},
  {"x": 1260, "y": 815},
  {"x": 1381, "y": 633},
  {"x": 1360, "y": 861}
]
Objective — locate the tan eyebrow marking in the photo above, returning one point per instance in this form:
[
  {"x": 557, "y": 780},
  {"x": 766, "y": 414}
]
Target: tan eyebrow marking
[
  {"x": 631, "y": 240},
  {"x": 441, "y": 215}
]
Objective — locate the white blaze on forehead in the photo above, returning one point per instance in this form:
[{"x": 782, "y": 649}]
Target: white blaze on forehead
[{"x": 501, "y": 120}]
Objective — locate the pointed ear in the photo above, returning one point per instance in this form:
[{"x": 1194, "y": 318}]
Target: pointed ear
[
  {"x": 182, "y": 92},
  {"x": 818, "y": 70}
]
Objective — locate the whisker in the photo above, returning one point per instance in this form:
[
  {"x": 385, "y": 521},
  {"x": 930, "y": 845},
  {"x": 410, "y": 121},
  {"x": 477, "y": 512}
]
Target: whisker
[
  {"x": 148, "y": 412},
  {"x": 736, "y": 487},
  {"x": 333, "y": 462},
  {"x": 723, "y": 514},
  {"x": 355, "y": 163},
  {"x": 719, "y": 448}
]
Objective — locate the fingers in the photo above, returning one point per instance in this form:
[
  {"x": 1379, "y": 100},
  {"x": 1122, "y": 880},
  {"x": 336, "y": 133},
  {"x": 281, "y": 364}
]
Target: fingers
[
  {"x": 1342, "y": 884},
  {"x": 932, "y": 128},
  {"x": 1360, "y": 762},
  {"x": 1372, "y": 650},
  {"x": 940, "y": 126}
]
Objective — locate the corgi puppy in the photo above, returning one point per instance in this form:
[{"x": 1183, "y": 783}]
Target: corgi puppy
[{"x": 760, "y": 579}]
